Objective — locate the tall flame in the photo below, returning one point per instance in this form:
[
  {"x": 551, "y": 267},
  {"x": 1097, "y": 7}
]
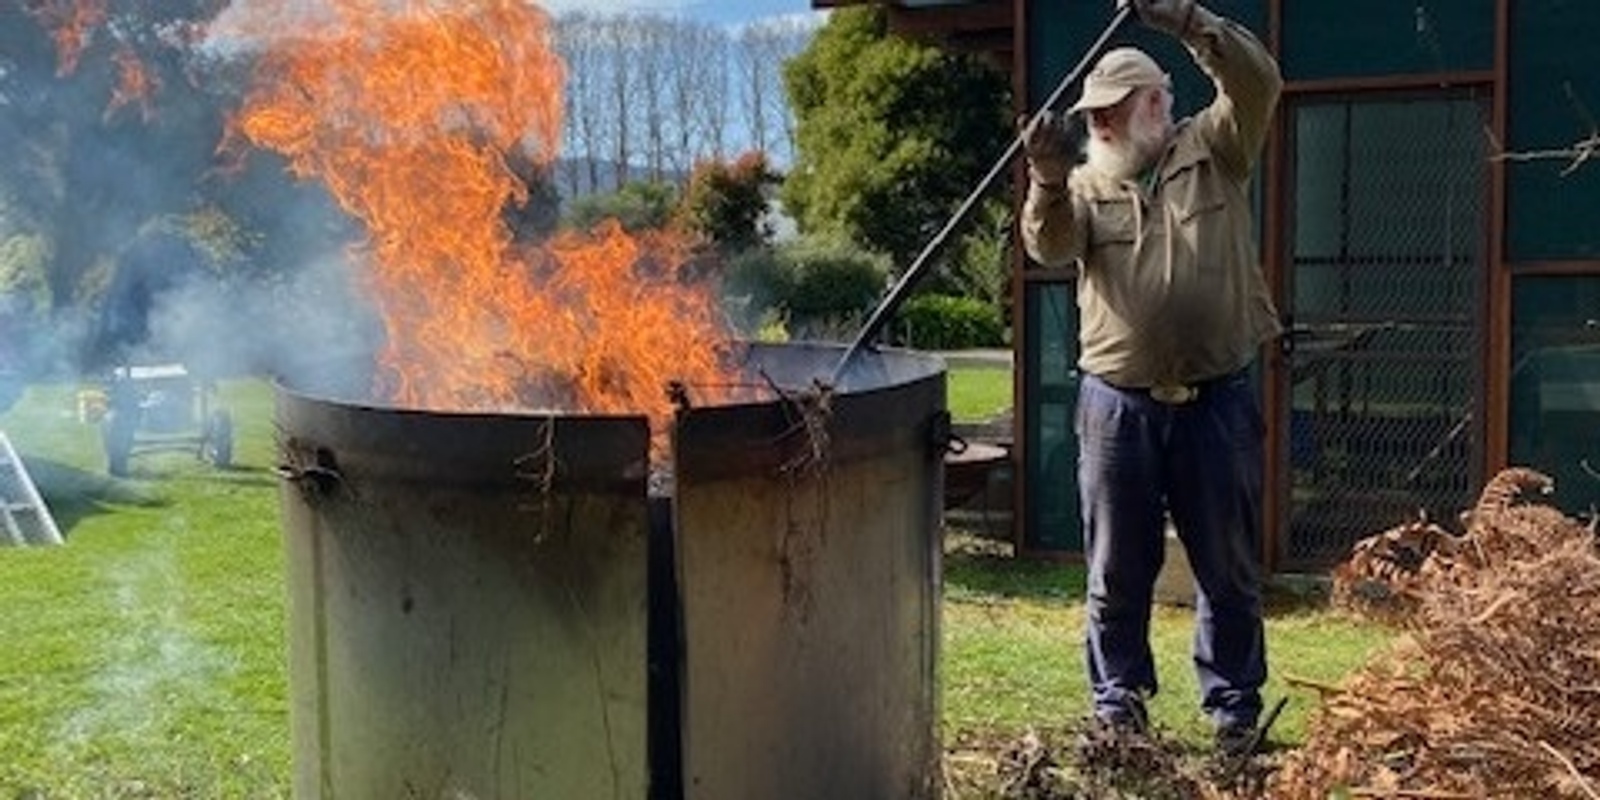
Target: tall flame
[{"x": 411, "y": 113}]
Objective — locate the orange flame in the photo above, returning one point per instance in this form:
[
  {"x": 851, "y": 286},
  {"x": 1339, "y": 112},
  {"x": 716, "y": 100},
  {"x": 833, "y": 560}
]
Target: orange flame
[
  {"x": 70, "y": 23},
  {"x": 411, "y": 118},
  {"x": 135, "y": 84}
]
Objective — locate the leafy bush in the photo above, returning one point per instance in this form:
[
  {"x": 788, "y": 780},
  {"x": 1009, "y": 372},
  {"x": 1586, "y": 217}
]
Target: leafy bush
[
  {"x": 945, "y": 322},
  {"x": 640, "y": 205},
  {"x": 833, "y": 279},
  {"x": 24, "y": 279},
  {"x": 755, "y": 284},
  {"x": 818, "y": 285},
  {"x": 980, "y": 266}
]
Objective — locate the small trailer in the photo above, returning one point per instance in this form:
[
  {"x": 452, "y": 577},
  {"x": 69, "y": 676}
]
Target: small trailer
[{"x": 163, "y": 407}]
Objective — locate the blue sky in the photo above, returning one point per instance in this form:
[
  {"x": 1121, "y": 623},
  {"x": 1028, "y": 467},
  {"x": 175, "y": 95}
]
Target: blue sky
[{"x": 719, "y": 12}]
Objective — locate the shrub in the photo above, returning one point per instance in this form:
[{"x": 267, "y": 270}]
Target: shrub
[
  {"x": 819, "y": 286},
  {"x": 639, "y": 206},
  {"x": 945, "y": 322},
  {"x": 755, "y": 284},
  {"x": 833, "y": 280}
]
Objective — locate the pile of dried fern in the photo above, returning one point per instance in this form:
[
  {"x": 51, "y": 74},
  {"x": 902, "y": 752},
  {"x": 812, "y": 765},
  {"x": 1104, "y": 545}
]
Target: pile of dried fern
[{"x": 1495, "y": 691}]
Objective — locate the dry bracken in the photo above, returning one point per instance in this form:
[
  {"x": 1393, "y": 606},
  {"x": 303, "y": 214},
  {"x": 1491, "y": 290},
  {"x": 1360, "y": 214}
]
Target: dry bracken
[{"x": 1495, "y": 691}]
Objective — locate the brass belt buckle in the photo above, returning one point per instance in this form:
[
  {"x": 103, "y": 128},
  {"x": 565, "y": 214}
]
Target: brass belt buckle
[{"x": 1174, "y": 393}]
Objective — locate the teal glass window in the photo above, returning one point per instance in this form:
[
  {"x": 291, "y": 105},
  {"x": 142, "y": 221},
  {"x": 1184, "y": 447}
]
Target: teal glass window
[
  {"x": 1553, "y": 103},
  {"x": 1555, "y": 384},
  {"x": 1376, "y": 38}
]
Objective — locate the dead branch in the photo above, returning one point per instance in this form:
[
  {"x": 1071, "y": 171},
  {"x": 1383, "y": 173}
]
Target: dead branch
[
  {"x": 1419, "y": 794},
  {"x": 1578, "y": 153},
  {"x": 1577, "y": 776},
  {"x": 1320, "y": 687}
]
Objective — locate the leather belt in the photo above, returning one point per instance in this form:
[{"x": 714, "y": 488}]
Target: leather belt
[
  {"x": 1174, "y": 394},
  {"x": 1178, "y": 394}
]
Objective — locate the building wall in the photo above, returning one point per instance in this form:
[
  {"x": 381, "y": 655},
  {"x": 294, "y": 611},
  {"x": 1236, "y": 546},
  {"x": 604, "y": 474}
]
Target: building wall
[{"x": 1549, "y": 289}]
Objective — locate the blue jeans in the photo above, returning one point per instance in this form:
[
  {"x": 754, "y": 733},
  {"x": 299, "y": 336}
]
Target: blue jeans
[{"x": 1140, "y": 461}]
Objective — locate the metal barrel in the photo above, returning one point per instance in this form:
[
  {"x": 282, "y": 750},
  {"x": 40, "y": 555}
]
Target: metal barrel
[
  {"x": 494, "y": 605},
  {"x": 808, "y": 552},
  {"x": 467, "y": 603}
]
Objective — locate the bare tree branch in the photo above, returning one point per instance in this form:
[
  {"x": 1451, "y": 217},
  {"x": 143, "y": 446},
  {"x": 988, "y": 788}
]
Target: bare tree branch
[
  {"x": 651, "y": 51},
  {"x": 1578, "y": 152},
  {"x": 662, "y": 93}
]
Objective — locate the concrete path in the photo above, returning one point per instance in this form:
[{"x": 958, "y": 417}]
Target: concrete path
[{"x": 983, "y": 357}]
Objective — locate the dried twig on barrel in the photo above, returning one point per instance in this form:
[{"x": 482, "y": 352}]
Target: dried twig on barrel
[
  {"x": 809, "y": 413},
  {"x": 1496, "y": 689}
]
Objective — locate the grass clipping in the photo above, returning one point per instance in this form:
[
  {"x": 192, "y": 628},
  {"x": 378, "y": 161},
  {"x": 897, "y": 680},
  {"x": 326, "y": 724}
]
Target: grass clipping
[{"x": 1495, "y": 689}]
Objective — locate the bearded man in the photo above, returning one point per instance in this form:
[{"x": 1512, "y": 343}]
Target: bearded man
[{"x": 1173, "y": 310}]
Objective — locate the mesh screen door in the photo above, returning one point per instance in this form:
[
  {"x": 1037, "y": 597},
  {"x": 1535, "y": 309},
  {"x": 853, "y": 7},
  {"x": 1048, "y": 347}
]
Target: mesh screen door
[{"x": 1386, "y": 266}]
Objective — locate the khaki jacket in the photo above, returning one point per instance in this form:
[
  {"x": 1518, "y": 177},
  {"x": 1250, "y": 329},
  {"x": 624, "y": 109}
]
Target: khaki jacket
[{"x": 1170, "y": 287}]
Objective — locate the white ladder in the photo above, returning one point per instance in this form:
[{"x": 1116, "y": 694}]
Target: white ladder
[{"x": 24, "y": 518}]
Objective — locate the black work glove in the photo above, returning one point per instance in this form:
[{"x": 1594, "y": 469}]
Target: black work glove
[
  {"x": 1047, "y": 143},
  {"x": 1171, "y": 16}
]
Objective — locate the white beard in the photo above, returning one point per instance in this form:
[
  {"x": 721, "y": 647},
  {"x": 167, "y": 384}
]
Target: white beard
[
  {"x": 1113, "y": 159},
  {"x": 1137, "y": 151}
]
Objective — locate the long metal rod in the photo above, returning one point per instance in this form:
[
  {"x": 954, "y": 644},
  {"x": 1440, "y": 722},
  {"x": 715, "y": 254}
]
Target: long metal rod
[{"x": 902, "y": 288}]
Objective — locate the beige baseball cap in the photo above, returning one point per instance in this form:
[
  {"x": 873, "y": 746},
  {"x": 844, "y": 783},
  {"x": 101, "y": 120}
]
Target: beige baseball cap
[{"x": 1117, "y": 73}]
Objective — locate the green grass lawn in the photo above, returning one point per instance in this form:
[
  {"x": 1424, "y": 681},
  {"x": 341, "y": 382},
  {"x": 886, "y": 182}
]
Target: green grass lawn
[
  {"x": 977, "y": 393},
  {"x": 1013, "y": 639},
  {"x": 146, "y": 657}
]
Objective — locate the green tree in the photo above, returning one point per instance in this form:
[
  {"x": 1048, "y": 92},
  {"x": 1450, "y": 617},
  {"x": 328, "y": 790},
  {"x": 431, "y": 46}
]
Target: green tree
[
  {"x": 982, "y": 257},
  {"x": 102, "y": 126},
  {"x": 727, "y": 203},
  {"x": 112, "y": 118},
  {"x": 891, "y": 135}
]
